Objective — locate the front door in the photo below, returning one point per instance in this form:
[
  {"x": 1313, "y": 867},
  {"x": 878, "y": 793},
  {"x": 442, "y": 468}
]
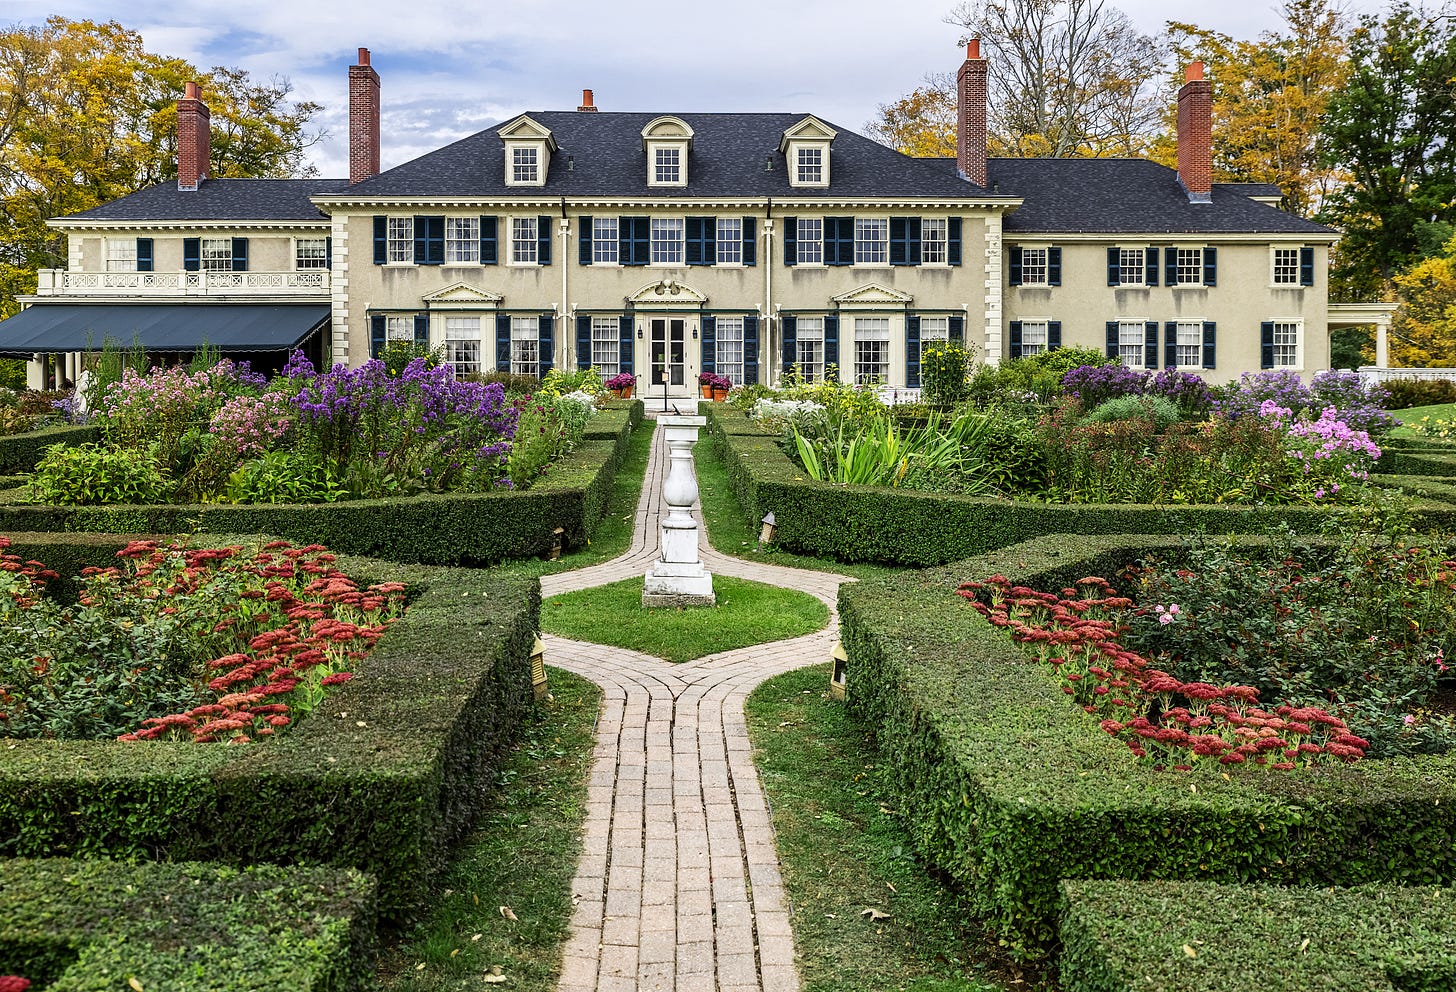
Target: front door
[{"x": 668, "y": 354}]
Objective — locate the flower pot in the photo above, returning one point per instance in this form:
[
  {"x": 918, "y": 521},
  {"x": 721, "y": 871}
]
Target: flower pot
[
  {"x": 706, "y": 390},
  {"x": 624, "y": 393},
  {"x": 719, "y": 395}
]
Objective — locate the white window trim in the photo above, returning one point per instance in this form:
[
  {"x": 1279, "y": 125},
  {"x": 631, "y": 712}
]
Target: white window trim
[
  {"x": 106, "y": 253},
  {"x": 532, "y": 263},
  {"x": 1045, "y": 323},
  {"x": 1142, "y": 325},
  {"x": 616, "y": 240},
  {"x": 1046, "y": 278},
  {"x": 1143, "y": 249},
  {"x": 1202, "y": 263},
  {"x": 476, "y": 263},
  {"x": 798, "y": 259},
  {"x": 1196, "y": 344},
  {"x": 682, "y": 160},
  {"x": 388, "y": 224},
  {"x": 793, "y": 164},
  {"x": 1273, "y": 251},
  {"x": 885, "y": 219},
  {"x": 612, "y": 335},
  {"x": 718, "y": 240},
  {"x": 682, "y": 244},
  {"x": 543, "y": 162},
  {"x": 817, "y": 336},
  {"x": 1298, "y": 323},
  {"x": 484, "y": 324},
  {"x": 944, "y": 263},
  {"x": 293, "y": 252}
]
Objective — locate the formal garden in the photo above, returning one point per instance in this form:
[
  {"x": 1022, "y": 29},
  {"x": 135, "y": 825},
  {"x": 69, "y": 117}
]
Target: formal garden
[{"x": 1148, "y": 682}]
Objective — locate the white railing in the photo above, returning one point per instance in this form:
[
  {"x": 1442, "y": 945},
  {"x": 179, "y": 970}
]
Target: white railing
[
  {"x": 60, "y": 282},
  {"x": 1375, "y": 374},
  {"x": 893, "y": 395}
]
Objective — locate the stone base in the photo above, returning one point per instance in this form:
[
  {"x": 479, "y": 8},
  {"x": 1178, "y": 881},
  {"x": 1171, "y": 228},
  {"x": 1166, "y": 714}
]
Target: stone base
[
  {"x": 678, "y": 584},
  {"x": 676, "y": 601}
]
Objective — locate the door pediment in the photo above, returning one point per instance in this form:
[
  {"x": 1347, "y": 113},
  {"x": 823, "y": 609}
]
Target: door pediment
[
  {"x": 461, "y": 294},
  {"x": 667, "y": 292},
  {"x": 873, "y": 295}
]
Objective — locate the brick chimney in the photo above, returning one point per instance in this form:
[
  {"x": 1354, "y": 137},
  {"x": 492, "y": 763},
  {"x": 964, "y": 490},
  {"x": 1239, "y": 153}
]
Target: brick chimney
[
  {"x": 971, "y": 115},
  {"x": 587, "y": 106},
  {"x": 194, "y": 139},
  {"x": 363, "y": 120},
  {"x": 1195, "y": 135}
]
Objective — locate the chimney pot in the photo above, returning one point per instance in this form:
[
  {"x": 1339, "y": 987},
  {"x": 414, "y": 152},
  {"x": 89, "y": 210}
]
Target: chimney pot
[
  {"x": 971, "y": 83},
  {"x": 588, "y": 105},
  {"x": 1195, "y": 135},
  {"x": 363, "y": 56},
  {"x": 191, "y": 92},
  {"x": 363, "y": 120},
  {"x": 973, "y": 48},
  {"x": 1194, "y": 72}
]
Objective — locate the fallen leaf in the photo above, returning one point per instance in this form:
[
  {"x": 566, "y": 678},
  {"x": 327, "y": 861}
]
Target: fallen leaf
[
  {"x": 495, "y": 976},
  {"x": 455, "y": 952},
  {"x": 134, "y": 983},
  {"x": 506, "y": 912},
  {"x": 420, "y": 966},
  {"x": 1189, "y": 951},
  {"x": 891, "y": 886},
  {"x": 476, "y": 937},
  {"x": 1304, "y": 946},
  {"x": 874, "y": 914}
]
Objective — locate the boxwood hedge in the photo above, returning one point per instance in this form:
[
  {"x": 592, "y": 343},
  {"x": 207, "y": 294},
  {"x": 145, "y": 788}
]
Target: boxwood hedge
[
  {"x": 20, "y": 452},
  {"x": 98, "y": 926},
  {"x": 442, "y": 529},
  {"x": 384, "y": 777},
  {"x": 1010, "y": 789},
  {"x": 1131, "y": 937},
  {"x": 895, "y": 526}
]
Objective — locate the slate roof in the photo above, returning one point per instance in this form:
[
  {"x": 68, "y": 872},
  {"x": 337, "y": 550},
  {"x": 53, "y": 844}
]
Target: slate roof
[
  {"x": 727, "y": 159},
  {"x": 1253, "y": 189},
  {"x": 220, "y": 199}
]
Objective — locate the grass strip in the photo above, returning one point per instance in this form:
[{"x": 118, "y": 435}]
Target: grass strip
[
  {"x": 747, "y": 613},
  {"x": 522, "y": 856}
]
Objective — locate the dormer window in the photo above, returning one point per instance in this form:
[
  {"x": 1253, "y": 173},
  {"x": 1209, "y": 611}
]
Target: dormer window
[
  {"x": 805, "y": 147},
  {"x": 525, "y": 165},
  {"x": 528, "y": 148},
  {"x": 811, "y": 166},
  {"x": 668, "y": 163},
  {"x": 667, "y": 142}
]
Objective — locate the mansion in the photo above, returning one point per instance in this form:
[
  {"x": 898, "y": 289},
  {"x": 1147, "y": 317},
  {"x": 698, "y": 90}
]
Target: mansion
[{"x": 667, "y": 245}]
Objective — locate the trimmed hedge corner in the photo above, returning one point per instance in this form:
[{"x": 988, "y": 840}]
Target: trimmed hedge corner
[
  {"x": 95, "y": 926},
  {"x": 898, "y": 527},
  {"x": 1137, "y": 937},
  {"x": 436, "y": 529},
  {"x": 1005, "y": 786},
  {"x": 384, "y": 777},
  {"x": 20, "y": 452}
]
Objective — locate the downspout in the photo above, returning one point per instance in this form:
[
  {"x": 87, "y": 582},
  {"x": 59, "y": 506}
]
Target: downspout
[
  {"x": 768, "y": 309},
  {"x": 566, "y": 329}
]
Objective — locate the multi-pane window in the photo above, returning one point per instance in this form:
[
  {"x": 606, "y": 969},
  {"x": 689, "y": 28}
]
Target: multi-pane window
[
  {"x": 667, "y": 241},
  {"x": 668, "y": 163},
  {"x": 462, "y": 345},
  {"x": 1190, "y": 266},
  {"x": 1033, "y": 266},
  {"x": 606, "y": 346},
  {"x": 525, "y": 346},
  {"x": 121, "y": 255},
  {"x": 1190, "y": 344},
  {"x": 809, "y": 345},
  {"x": 1033, "y": 337},
  {"x": 310, "y": 253},
  {"x": 400, "y": 329},
  {"x": 932, "y": 240},
  {"x": 523, "y": 240},
  {"x": 811, "y": 165},
  {"x": 871, "y": 351},
  {"x": 401, "y": 239},
  {"x": 811, "y": 241},
  {"x": 1286, "y": 266},
  {"x": 728, "y": 353},
  {"x": 1131, "y": 264},
  {"x": 933, "y": 331},
  {"x": 524, "y": 165},
  {"x": 1286, "y": 345},
  {"x": 462, "y": 240},
  {"x": 1131, "y": 343},
  {"x": 217, "y": 254},
  {"x": 604, "y": 240},
  {"x": 871, "y": 240},
  {"x": 730, "y": 240}
]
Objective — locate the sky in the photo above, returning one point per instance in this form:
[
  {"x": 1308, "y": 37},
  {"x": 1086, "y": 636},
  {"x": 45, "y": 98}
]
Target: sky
[{"x": 449, "y": 69}]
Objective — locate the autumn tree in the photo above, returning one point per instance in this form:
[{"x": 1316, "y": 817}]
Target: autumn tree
[
  {"x": 1423, "y": 332},
  {"x": 921, "y": 123}
]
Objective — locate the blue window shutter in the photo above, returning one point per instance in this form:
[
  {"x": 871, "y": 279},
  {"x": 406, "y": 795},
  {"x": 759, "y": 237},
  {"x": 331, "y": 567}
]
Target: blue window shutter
[
  {"x": 956, "y": 330},
  {"x": 1054, "y": 266},
  {"x": 1150, "y": 344},
  {"x": 953, "y": 241},
  {"x": 1150, "y": 267},
  {"x": 791, "y": 241},
  {"x": 1210, "y": 266},
  {"x": 830, "y": 253},
  {"x": 912, "y": 350},
  {"x": 912, "y": 240},
  {"x": 1054, "y": 335},
  {"x": 546, "y": 346},
  {"x": 543, "y": 240},
  {"x": 1114, "y": 267},
  {"x": 750, "y": 348},
  {"x": 624, "y": 327},
  {"x": 583, "y": 240},
  {"x": 192, "y": 254},
  {"x": 750, "y": 241},
  {"x": 502, "y": 342},
  {"x": 329, "y": 252},
  {"x": 376, "y": 335},
  {"x": 1266, "y": 345},
  {"x": 1306, "y": 266},
  {"x": 422, "y": 330},
  {"x": 831, "y": 343},
  {"x": 437, "y": 240},
  {"x": 641, "y": 241},
  {"x": 710, "y": 343},
  {"x": 1015, "y": 351},
  {"x": 489, "y": 253},
  {"x": 899, "y": 249},
  {"x": 583, "y": 342},
  {"x": 624, "y": 240},
  {"x": 1170, "y": 265},
  {"x": 843, "y": 228},
  {"x": 710, "y": 240},
  {"x": 1170, "y": 345},
  {"x": 789, "y": 346},
  {"x": 1112, "y": 339},
  {"x": 381, "y": 239},
  {"x": 422, "y": 240},
  {"x": 430, "y": 240},
  {"x": 240, "y": 254},
  {"x": 144, "y": 254},
  {"x": 1210, "y": 340},
  {"x": 1014, "y": 265},
  {"x": 693, "y": 241}
]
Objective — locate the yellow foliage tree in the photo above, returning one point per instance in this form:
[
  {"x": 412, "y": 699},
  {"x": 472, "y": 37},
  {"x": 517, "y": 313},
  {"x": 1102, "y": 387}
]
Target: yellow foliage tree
[
  {"x": 1423, "y": 332},
  {"x": 921, "y": 123}
]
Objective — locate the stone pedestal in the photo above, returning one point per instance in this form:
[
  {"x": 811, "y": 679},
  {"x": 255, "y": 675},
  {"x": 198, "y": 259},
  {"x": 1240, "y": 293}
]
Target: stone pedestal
[{"x": 678, "y": 577}]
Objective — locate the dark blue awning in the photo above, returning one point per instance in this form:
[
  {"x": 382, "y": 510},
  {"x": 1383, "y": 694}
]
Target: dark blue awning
[{"x": 64, "y": 327}]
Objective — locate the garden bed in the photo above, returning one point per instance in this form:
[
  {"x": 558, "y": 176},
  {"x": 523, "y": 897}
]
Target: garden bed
[
  {"x": 384, "y": 777},
  {"x": 20, "y": 452},
  {"x": 1009, "y": 789},
  {"x": 97, "y": 926}
]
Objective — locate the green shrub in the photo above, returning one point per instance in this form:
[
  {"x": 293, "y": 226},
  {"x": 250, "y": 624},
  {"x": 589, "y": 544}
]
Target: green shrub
[
  {"x": 98, "y": 474},
  {"x": 1408, "y": 393},
  {"x": 21, "y": 452},
  {"x": 283, "y": 477},
  {"x": 1159, "y": 410},
  {"x": 397, "y": 355},
  {"x": 944, "y": 369}
]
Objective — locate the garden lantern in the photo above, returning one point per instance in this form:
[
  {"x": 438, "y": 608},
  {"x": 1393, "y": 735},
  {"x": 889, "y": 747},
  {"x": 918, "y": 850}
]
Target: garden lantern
[
  {"x": 538, "y": 668},
  {"x": 770, "y": 525},
  {"x": 838, "y": 688},
  {"x": 557, "y": 537}
]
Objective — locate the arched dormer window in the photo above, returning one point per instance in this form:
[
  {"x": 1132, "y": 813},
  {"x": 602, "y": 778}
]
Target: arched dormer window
[
  {"x": 805, "y": 147},
  {"x": 667, "y": 142},
  {"x": 528, "y": 148}
]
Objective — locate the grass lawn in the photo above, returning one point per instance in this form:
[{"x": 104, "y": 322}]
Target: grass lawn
[
  {"x": 522, "y": 855},
  {"x": 747, "y": 613},
  {"x": 1440, "y": 411},
  {"x": 844, "y": 852}
]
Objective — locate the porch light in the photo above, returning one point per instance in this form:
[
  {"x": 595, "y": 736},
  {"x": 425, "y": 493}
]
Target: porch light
[
  {"x": 838, "y": 688},
  {"x": 770, "y": 526},
  {"x": 538, "y": 668}
]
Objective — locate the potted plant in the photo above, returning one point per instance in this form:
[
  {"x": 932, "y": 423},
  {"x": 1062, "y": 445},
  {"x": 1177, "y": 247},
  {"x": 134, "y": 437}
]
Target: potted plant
[
  {"x": 621, "y": 385},
  {"x": 705, "y": 384},
  {"x": 721, "y": 385}
]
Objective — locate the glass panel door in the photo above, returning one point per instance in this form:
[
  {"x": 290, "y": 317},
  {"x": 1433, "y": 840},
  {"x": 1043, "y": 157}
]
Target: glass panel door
[{"x": 668, "y": 351}]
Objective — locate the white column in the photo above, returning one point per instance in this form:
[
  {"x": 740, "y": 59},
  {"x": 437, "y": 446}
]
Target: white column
[
  {"x": 1382, "y": 343},
  {"x": 678, "y": 577}
]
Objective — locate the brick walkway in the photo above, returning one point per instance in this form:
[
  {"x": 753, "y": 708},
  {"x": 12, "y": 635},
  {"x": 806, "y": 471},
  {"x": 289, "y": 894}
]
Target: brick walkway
[{"x": 678, "y": 886}]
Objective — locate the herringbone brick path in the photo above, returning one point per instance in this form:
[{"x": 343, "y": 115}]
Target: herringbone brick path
[{"x": 678, "y": 886}]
